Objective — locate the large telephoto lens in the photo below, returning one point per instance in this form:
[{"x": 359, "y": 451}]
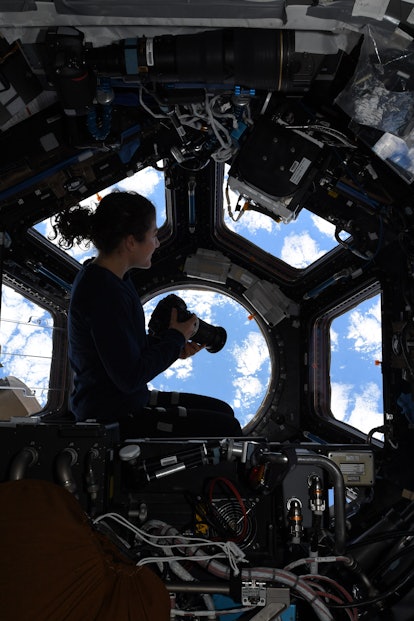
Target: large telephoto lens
[
  {"x": 250, "y": 57},
  {"x": 213, "y": 337}
]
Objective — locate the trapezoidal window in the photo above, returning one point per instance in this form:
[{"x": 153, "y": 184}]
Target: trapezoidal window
[
  {"x": 26, "y": 354},
  {"x": 345, "y": 363},
  {"x": 149, "y": 182},
  {"x": 299, "y": 243},
  {"x": 355, "y": 371}
]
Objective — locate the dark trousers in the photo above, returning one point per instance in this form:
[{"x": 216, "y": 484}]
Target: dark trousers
[{"x": 173, "y": 415}]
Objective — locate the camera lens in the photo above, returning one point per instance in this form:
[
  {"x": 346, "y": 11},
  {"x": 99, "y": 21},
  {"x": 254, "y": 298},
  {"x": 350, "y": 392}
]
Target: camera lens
[{"x": 213, "y": 337}]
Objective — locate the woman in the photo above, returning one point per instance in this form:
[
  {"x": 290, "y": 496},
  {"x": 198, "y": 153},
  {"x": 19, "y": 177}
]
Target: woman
[{"x": 111, "y": 355}]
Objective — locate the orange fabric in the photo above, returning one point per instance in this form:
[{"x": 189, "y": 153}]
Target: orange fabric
[{"x": 55, "y": 567}]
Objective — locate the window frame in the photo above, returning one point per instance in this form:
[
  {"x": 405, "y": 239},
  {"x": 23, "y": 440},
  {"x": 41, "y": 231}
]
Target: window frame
[{"x": 319, "y": 357}]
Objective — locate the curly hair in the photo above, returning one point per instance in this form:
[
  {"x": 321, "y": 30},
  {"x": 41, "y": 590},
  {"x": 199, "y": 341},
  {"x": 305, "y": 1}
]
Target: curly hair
[{"x": 117, "y": 215}]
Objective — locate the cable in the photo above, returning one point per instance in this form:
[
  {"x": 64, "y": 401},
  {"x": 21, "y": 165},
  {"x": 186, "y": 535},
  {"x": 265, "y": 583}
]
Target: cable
[
  {"x": 379, "y": 598},
  {"x": 381, "y": 537},
  {"x": 229, "y": 549},
  {"x": 176, "y": 612},
  {"x": 297, "y": 585},
  {"x": 318, "y": 559},
  {"x": 227, "y": 147},
  {"x": 146, "y": 108},
  {"x": 389, "y": 562},
  {"x": 335, "y": 584},
  {"x": 235, "y": 556},
  {"x": 325, "y": 130},
  {"x": 349, "y": 247},
  {"x": 229, "y": 211},
  {"x": 204, "y": 115}
]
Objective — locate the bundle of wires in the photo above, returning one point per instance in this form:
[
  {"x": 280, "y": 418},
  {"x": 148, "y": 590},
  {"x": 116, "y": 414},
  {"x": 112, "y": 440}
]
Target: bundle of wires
[{"x": 179, "y": 548}]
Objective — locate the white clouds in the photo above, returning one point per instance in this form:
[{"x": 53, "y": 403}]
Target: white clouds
[
  {"x": 365, "y": 330},
  {"x": 252, "y": 223},
  {"x": 26, "y": 342},
  {"x": 47, "y": 229},
  {"x": 360, "y": 407},
  {"x": 365, "y": 414},
  {"x": 297, "y": 249},
  {"x": 251, "y": 357},
  {"x": 300, "y": 250},
  {"x": 355, "y": 343},
  {"x": 324, "y": 227},
  {"x": 250, "y": 354},
  {"x": 247, "y": 389},
  {"x": 81, "y": 254},
  {"x": 202, "y": 303},
  {"x": 145, "y": 182},
  {"x": 340, "y": 396},
  {"x": 334, "y": 339},
  {"x": 180, "y": 370}
]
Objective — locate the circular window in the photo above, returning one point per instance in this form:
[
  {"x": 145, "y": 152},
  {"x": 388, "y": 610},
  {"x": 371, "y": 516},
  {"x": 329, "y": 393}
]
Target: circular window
[{"x": 239, "y": 373}]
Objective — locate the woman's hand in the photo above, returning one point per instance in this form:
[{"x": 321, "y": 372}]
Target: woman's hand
[
  {"x": 189, "y": 349},
  {"x": 187, "y": 328}
]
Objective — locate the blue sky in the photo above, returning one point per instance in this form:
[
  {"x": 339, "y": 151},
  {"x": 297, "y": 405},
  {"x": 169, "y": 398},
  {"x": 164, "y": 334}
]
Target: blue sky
[{"x": 240, "y": 372}]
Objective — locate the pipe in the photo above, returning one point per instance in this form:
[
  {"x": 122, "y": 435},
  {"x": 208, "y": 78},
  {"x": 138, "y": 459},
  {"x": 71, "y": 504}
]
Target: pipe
[
  {"x": 198, "y": 587},
  {"x": 339, "y": 488},
  {"x": 92, "y": 483},
  {"x": 64, "y": 461},
  {"x": 26, "y": 458}
]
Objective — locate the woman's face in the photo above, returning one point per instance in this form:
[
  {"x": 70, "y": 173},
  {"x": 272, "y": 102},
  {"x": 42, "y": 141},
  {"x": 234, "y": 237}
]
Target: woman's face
[{"x": 145, "y": 248}]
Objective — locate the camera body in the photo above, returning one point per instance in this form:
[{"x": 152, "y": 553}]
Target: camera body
[{"x": 213, "y": 337}]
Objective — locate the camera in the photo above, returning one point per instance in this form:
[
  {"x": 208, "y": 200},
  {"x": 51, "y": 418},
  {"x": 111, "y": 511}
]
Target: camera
[{"x": 213, "y": 337}]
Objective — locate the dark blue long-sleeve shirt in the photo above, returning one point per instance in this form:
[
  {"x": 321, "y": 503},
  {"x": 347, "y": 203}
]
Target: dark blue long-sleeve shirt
[{"x": 110, "y": 353}]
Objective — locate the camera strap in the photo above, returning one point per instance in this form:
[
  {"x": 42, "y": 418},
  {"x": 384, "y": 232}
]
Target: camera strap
[
  {"x": 153, "y": 397},
  {"x": 174, "y": 398}
]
